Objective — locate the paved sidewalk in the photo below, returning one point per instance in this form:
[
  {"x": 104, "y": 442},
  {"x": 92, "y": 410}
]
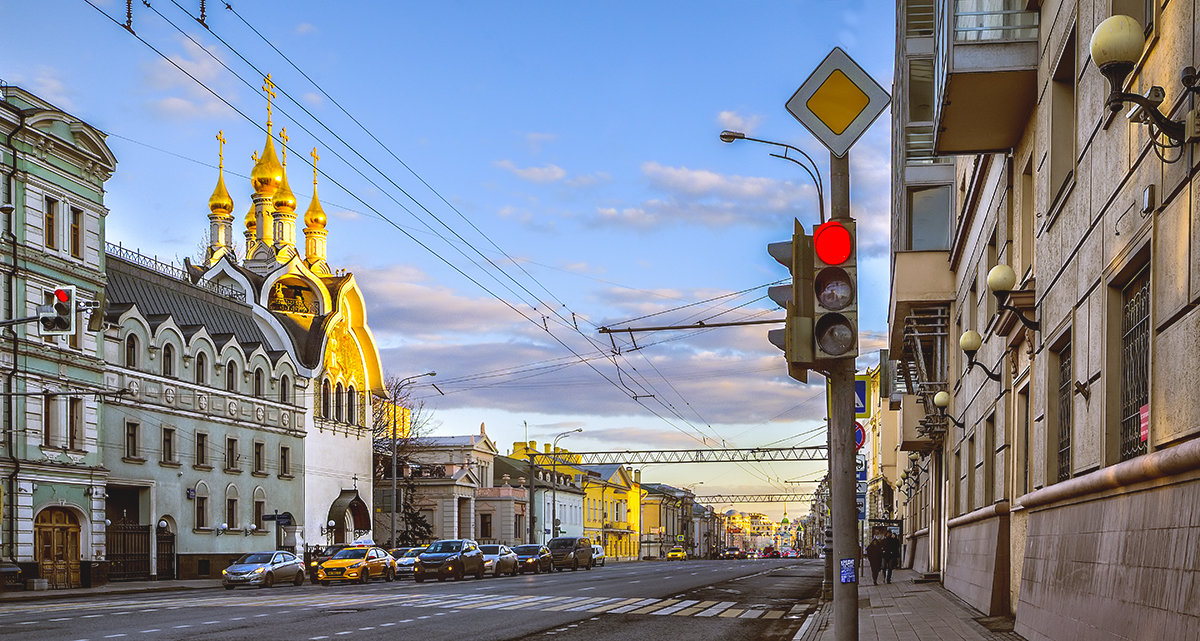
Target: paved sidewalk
[
  {"x": 120, "y": 587},
  {"x": 907, "y": 611}
]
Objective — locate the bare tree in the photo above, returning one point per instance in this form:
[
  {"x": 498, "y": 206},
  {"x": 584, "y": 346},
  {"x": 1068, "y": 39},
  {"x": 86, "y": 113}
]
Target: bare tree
[{"x": 400, "y": 421}]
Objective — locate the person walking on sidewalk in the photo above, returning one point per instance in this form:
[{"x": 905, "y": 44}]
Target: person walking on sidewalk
[
  {"x": 875, "y": 557},
  {"x": 891, "y": 554}
]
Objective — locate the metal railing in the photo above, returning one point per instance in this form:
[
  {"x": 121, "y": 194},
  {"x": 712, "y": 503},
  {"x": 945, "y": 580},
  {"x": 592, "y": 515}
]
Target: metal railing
[
  {"x": 169, "y": 270},
  {"x": 918, "y": 145},
  {"x": 990, "y": 20}
]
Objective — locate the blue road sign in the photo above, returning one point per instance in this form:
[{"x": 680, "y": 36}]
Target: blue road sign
[
  {"x": 861, "y": 500},
  {"x": 860, "y": 397}
]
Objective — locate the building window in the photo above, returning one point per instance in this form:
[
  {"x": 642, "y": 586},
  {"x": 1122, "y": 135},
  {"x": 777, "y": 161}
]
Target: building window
[
  {"x": 75, "y": 424},
  {"x": 1064, "y": 390},
  {"x": 201, "y": 449},
  {"x": 230, "y": 377},
  {"x": 168, "y": 364},
  {"x": 168, "y": 445},
  {"x": 131, "y": 351},
  {"x": 337, "y": 403},
  {"x": 201, "y": 506},
  {"x": 76, "y": 232},
  {"x": 285, "y": 384},
  {"x": 231, "y": 455},
  {"x": 258, "y": 383},
  {"x": 231, "y": 509},
  {"x": 351, "y": 406},
  {"x": 325, "y": 399},
  {"x": 49, "y": 426},
  {"x": 1024, "y": 426},
  {"x": 51, "y": 218},
  {"x": 260, "y": 458},
  {"x": 1140, "y": 10},
  {"x": 485, "y": 526},
  {"x": 1062, "y": 121},
  {"x": 201, "y": 368},
  {"x": 260, "y": 509},
  {"x": 928, "y": 225},
  {"x": 285, "y": 460},
  {"x": 132, "y": 447},
  {"x": 1135, "y": 363}
]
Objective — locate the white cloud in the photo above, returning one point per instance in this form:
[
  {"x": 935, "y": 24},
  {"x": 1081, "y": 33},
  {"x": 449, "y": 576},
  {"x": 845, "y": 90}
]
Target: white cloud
[
  {"x": 736, "y": 122},
  {"x": 179, "y": 97},
  {"x": 546, "y": 174},
  {"x": 48, "y": 86},
  {"x": 313, "y": 98},
  {"x": 305, "y": 28}
]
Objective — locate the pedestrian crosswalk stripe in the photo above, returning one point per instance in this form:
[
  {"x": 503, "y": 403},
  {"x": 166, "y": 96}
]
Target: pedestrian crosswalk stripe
[
  {"x": 675, "y": 608},
  {"x": 568, "y": 604},
  {"x": 773, "y": 614},
  {"x": 654, "y": 606},
  {"x": 593, "y": 604},
  {"x": 751, "y": 614},
  {"x": 633, "y": 606},
  {"x": 529, "y": 601},
  {"x": 730, "y": 613},
  {"x": 716, "y": 609},
  {"x": 613, "y": 606}
]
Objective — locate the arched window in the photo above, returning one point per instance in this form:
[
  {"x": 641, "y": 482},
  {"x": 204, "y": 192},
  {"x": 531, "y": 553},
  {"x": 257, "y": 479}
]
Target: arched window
[
  {"x": 258, "y": 382},
  {"x": 131, "y": 351},
  {"x": 351, "y": 407},
  {"x": 168, "y": 354},
  {"x": 201, "y": 368},
  {"x": 325, "y": 399},
  {"x": 285, "y": 385},
  {"x": 260, "y": 508},
  {"x": 337, "y": 404},
  {"x": 201, "y": 505},
  {"x": 230, "y": 377},
  {"x": 231, "y": 508}
]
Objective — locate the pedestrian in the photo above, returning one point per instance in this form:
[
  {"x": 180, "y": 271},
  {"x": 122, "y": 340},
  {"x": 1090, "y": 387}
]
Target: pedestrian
[
  {"x": 875, "y": 557},
  {"x": 891, "y": 554}
]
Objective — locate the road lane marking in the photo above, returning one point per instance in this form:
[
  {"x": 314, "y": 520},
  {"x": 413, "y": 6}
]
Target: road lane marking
[
  {"x": 650, "y": 608},
  {"x": 773, "y": 614},
  {"x": 675, "y": 608},
  {"x": 729, "y": 614},
  {"x": 751, "y": 614},
  {"x": 634, "y": 606},
  {"x": 612, "y": 606}
]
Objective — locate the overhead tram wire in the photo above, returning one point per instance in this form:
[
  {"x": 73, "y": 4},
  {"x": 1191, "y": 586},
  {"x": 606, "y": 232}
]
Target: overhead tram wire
[{"x": 615, "y": 384}]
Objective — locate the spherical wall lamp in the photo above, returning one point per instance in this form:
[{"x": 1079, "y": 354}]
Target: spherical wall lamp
[
  {"x": 1001, "y": 279},
  {"x": 970, "y": 342},
  {"x": 1116, "y": 46},
  {"x": 941, "y": 400}
]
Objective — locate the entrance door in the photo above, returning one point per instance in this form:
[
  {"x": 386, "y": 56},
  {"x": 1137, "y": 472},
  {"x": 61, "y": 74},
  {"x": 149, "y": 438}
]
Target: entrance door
[{"x": 56, "y": 540}]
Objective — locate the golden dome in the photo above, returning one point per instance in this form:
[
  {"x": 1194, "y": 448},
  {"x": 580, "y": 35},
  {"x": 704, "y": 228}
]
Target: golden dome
[
  {"x": 314, "y": 218},
  {"x": 251, "y": 223},
  {"x": 267, "y": 172},
  {"x": 220, "y": 200},
  {"x": 285, "y": 200}
]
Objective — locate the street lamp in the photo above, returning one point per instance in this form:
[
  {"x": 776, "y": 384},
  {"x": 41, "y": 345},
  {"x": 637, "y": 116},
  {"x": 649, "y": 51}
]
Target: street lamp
[
  {"x": 399, "y": 386},
  {"x": 814, "y": 173},
  {"x": 941, "y": 401},
  {"x": 554, "y": 480},
  {"x": 970, "y": 342}
]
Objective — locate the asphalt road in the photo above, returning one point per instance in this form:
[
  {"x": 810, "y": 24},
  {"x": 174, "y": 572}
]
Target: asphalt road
[{"x": 696, "y": 600}]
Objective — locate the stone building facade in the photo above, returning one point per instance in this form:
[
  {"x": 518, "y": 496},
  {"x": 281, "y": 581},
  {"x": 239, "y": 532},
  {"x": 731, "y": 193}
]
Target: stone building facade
[{"x": 1058, "y": 483}]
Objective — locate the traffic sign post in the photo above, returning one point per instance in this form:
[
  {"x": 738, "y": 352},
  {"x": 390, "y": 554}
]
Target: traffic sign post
[{"x": 837, "y": 103}]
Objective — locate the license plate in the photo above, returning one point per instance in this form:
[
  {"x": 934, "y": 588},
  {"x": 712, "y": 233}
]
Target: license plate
[{"x": 333, "y": 571}]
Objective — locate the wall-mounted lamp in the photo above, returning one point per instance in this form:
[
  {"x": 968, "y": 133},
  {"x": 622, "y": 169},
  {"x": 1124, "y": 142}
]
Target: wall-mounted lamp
[
  {"x": 970, "y": 342},
  {"x": 328, "y": 528},
  {"x": 249, "y": 529},
  {"x": 1116, "y": 46},
  {"x": 222, "y": 529},
  {"x": 162, "y": 524},
  {"x": 1001, "y": 280},
  {"x": 107, "y": 522},
  {"x": 941, "y": 401}
]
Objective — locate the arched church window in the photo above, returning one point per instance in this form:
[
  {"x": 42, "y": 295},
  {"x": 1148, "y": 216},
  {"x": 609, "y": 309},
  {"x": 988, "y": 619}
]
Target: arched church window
[
  {"x": 285, "y": 385},
  {"x": 337, "y": 404},
  {"x": 325, "y": 399},
  {"x": 201, "y": 368},
  {"x": 131, "y": 351},
  {"x": 258, "y": 382},
  {"x": 168, "y": 364},
  {"x": 352, "y": 407},
  {"x": 230, "y": 377}
]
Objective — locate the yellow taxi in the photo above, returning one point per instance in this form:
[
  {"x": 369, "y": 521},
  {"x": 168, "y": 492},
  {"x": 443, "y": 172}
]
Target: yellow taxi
[
  {"x": 359, "y": 563},
  {"x": 676, "y": 553}
]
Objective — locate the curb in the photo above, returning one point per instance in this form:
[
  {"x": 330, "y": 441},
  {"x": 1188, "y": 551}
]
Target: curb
[{"x": 51, "y": 595}]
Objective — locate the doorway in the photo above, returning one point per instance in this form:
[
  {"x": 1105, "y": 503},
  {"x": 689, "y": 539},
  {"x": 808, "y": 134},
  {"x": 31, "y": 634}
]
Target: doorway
[{"x": 56, "y": 541}]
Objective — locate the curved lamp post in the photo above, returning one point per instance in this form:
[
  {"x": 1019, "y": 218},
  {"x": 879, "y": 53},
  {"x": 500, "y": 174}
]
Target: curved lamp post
[
  {"x": 814, "y": 173},
  {"x": 554, "y": 480},
  {"x": 970, "y": 342},
  {"x": 399, "y": 386}
]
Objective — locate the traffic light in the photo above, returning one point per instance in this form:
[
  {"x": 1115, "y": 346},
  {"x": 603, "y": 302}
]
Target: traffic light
[
  {"x": 835, "y": 291},
  {"x": 58, "y": 318},
  {"x": 795, "y": 339}
]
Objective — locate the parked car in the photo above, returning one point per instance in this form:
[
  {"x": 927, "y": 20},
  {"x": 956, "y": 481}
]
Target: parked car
[
  {"x": 404, "y": 564},
  {"x": 598, "y": 555},
  {"x": 733, "y": 552},
  {"x": 676, "y": 554},
  {"x": 263, "y": 569},
  {"x": 449, "y": 558},
  {"x": 499, "y": 559},
  {"x": 571, "y": 552},
  {"x": 357, "y": 563},
  {"x": 320, "y": 555},
  {"x": 753, "y": 554},
  {"x": 398, "y": 552},
  {"x": 533, "y": 558}
]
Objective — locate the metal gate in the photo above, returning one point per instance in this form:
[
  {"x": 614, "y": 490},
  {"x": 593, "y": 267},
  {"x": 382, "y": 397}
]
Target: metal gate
[
  {"x": 129, "y": 551},
  {"x": 166, "y": 554}
]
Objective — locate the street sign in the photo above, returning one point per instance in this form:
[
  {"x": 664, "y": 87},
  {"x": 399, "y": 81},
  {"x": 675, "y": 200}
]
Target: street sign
[
  {"x": 860, "y": 475},
  {"x": 860, "y": 487},
  {"x": 861, "y": 501},
  {"x": 860, "y": 463},
  {"x": 838, "y": 102},
  {"x": 861, "y": 409},
  {"x": 860, "y": 436}
]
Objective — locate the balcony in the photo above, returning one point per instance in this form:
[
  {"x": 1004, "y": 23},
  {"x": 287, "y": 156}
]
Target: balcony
[
  {"x": 985, "y": 73},
  {"x": 920, "y": 279}
]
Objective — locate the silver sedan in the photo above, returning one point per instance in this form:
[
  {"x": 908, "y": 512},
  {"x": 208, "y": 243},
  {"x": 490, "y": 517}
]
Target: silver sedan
[
  {"x": 264, "y": 569},
  {"x": 499, "y": 560}
]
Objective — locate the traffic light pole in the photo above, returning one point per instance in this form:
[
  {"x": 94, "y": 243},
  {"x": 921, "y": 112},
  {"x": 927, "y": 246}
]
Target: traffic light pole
[{"x": 841, "y": 449}]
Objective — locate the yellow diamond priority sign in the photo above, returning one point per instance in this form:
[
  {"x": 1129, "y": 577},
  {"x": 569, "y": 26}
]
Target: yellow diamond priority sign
[{"x": 838, "y": 102}]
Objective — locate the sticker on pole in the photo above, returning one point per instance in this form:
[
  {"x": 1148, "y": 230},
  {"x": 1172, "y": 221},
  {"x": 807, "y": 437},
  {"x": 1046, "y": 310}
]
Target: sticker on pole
[
  {"x": 838, "y": 102},
  {"x": 848, "y": 573}
]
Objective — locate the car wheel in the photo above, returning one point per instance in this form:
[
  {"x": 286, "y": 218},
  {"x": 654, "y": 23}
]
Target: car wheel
[
  {"x": 480, "y": 572},
  {"x": 537, "y": 569},
  {"x": 325, "y": 583},
  {"x": 574, "y": 565},
  {"x": 514, "y": 570},
  {"x": 230, "y": 587},
  {"x": 299, "y": 580},
  {"x": 390, "y": 575},
  {"x": 269, "y": 580},
  {"x": 459, "y": 573},
  {"x": 497, "y": 573},
  {"x": 418, "y": 578},
  {"x": 589, "y": 565}
]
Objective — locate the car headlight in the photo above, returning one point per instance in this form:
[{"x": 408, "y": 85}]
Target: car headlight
[
  {"x": 259, "y": 571},
  {"x": 224, "y": 572},
  {"x": 314, "y": 564}
]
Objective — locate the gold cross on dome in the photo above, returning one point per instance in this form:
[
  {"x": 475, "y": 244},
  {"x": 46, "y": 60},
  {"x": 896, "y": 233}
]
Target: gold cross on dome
[
  {"x": 315, "y": 158},
  {"x": 283, "y": 137},
  {"x": 254, "y": 157},
  {"x": 221, "y": 149},
  {"x": 269, "y": 88}
]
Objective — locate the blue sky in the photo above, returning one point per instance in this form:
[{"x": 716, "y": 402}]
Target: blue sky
[{"x": 565, "y": 172}]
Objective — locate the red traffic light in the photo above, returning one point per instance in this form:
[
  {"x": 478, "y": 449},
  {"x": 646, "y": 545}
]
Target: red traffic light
[
  {"x": 833, "y": 243},
  {"x": 61, "y": 295}
]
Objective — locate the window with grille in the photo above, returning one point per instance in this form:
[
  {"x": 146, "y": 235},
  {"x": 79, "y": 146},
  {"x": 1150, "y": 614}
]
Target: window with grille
[
  {"x": 1066, "y": 380},
  {"x": 1135, "y": 363}
]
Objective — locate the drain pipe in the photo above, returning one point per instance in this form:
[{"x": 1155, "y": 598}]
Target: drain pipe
[{"x": 8, "y": 207}]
